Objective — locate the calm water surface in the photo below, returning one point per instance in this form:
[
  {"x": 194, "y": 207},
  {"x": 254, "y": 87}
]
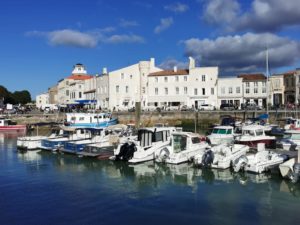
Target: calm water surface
[{"x": 45, "y": 188}]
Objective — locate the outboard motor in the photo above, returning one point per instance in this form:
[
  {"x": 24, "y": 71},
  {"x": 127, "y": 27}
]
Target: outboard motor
[
  {"x": 163, "y": 155},
  {"x": 296, "y": 174},
  {"x": 240, "y": 163},
  {"x": 207, "y": 158},
  {"x": 126, "y": 152}
]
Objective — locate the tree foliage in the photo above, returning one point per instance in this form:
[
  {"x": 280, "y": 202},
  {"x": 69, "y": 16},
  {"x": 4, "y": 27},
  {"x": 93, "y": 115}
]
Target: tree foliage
[{"x": 17, "y": 97}]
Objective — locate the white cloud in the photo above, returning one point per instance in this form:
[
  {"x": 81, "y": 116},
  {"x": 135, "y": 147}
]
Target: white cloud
[
  {"x": 128, "y": 23},
  {"x": 263, "y": 15},
  {"x": 221, "y": 11},
  {"x": 116, "y": 39},
  {"x": 177, "y": 7},
  {"x": 165, "y": 23},
  {"x": 270, "y": 15},
  {"x": 90, "y": 39},
  {"x": 68, "y": 38},
  {"x": 245, "y": 52}
]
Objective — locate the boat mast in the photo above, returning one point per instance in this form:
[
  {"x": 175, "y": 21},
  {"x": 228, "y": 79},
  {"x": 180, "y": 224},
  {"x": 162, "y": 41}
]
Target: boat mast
[{"x": 267, "y": 84}]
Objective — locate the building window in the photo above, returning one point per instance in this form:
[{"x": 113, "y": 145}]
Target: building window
[
  {"x": 264, "y": 83},
  {"x": 122, "y": 76},
  {"x": 247, "y": 90},
  {"x": 255, "y": 90},
  {"x": 67, "y": 82},
  {"x": 126, "y": 89},
  {"x": 166, "y": 91},
  {"x": 166, "y": 79},
  {"x": 212, "y": 91},
  {"x": 255, "y": 84},
  {"x": 247, "y": 84},
  {"x": 203, "y": 91},
  {"x": 195, "y": 91},
  {"x": 177, "y": 90},
  {"x": 67, "y": 93},
  {"x": 238, "y": 90},
  {"x": 79, "y": 86},
  {"x": 156, "y": 91},
  {"x": 176, "y": 78},
  {"x": 185, "y": 78},
  {"x": 203, "y": 77},
  {"x": 185, "y": 90},
  {"x": 143, "y": 90},
  {"x": 80, "y": 95},
  {"x": 117, "y": 88},
  {"x": 264, "y": 90},
  {"x": 130, "y": 76},
  {"x": 230, "y": 90},
  {"x": 223, "y": 90},
  {"x": 156, "y": 79}
]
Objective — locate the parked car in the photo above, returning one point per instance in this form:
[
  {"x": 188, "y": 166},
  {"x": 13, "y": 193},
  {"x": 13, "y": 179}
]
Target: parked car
[
  {"x": 206, "y": 107},
  {"x": 227, "y": 106},
  {"x": 252, "y": 106}
]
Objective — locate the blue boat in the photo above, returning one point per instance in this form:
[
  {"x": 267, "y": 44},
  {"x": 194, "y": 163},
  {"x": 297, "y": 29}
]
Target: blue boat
[
  {"x": 72, "y": 134},
  {"x": 90, "y": 120}
]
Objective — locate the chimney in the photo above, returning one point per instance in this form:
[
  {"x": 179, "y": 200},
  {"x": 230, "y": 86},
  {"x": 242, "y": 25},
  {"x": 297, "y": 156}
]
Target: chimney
[
  {"x": 191, "y": 63},
  {"x": 175, "y": 69},
  {"x": 104, "y": 70},
  {"x": 152, "y": 63}
]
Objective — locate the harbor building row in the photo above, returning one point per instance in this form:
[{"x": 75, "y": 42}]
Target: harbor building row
[{"x": 146, "y": 83}]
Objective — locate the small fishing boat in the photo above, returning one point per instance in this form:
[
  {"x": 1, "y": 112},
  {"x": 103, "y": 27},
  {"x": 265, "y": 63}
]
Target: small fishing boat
[
  {"x": 259, "y": 162},
  {"x": 141, "y": 150},
  {"x": 77, "y": 146},
  {"x": 183, "y": 148},
  {"x": 220, "y": 156},
  {"x": 70, "y": 134},
  {"x": 221, "y": 135},
  {"x": 98, "y": 120},
  {"x": 291, "y": 169},
  {"x": 8, "y": 125},
  {"x": 253, "y": 135},
  {"x": 34, "y": 142},
  {"x": 290, "y": 140}
]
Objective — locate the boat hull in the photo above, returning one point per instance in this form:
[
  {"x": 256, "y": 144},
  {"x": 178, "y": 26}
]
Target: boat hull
[
  {"x": 13, "y": 128},
  {"x": 269, "y": 143}
]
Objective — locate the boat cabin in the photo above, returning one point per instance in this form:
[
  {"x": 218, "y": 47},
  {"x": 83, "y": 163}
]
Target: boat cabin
[
  {"x": 5, "y": 122},
  {"x": 182, "y": 141},
  {"x": 253, "y": 130},
  {"x": 147, "y": 136},
  {"x": 85, "y": 118},
  {"x": 223, "y": 130}
]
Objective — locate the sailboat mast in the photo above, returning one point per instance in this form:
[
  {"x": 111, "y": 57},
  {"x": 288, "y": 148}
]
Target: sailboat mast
[{"x": 267, "y": 74}]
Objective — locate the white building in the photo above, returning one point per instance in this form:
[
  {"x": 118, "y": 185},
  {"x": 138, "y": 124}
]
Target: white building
[
  {"x": 254, "y": 89},
  {"x": 96, "y": 90},
  {"x": 230, "y": 90},
  {"x": 276, "y": 96},
  {"x": 71, "y": 89},
  {"x": 192, "y": 87},
  {"x": 130, "y": 84},
  {"x": 42, "y": 100}
]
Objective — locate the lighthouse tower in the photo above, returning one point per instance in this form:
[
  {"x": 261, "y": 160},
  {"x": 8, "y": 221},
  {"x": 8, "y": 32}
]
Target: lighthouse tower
[{"x": 79, "y": 69}]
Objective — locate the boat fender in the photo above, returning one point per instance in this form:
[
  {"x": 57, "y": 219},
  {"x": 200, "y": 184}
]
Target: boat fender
[{"x": 163, "y": 155}]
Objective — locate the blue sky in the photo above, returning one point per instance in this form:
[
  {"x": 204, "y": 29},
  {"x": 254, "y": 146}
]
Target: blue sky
[{"x": 42, "y": 40}]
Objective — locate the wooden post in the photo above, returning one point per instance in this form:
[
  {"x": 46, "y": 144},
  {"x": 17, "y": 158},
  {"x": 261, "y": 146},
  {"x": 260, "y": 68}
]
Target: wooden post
[{"x": 137, "y": 114}]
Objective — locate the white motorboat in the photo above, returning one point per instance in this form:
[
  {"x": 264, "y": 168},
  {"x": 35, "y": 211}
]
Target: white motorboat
[
  {"x": 291, "y": 169},
  {"x": 252, "y": 135},
  {"x": 221, "y": 156},
  {"x": 290, "y": 140},
  {"x": 221, "y": 135},
  {"x": 292, "y": 124},
  {"x": 259, "y": 162},
  {"x": 142, "y": 149},
  {"x": 183, "y": 147},
  {"x": 34, "y": 142}
]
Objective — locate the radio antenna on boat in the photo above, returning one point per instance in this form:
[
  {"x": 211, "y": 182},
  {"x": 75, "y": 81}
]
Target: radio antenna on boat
[{"x": 267, "y": 84}]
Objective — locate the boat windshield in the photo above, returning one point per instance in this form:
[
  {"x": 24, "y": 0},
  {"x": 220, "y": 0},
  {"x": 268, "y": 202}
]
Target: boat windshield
[
  {"x": 219, "y": 131},
  {"x": 145, "y": 138},
  {"x": 249, "y": 132},
  {"x": 179, "y": 143},
  {"x": 259, "y": 132},
  {"x": 295, "y": 136}
]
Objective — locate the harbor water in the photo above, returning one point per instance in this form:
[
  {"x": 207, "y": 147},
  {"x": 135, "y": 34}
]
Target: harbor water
[{"x": 45, "y": 188}]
